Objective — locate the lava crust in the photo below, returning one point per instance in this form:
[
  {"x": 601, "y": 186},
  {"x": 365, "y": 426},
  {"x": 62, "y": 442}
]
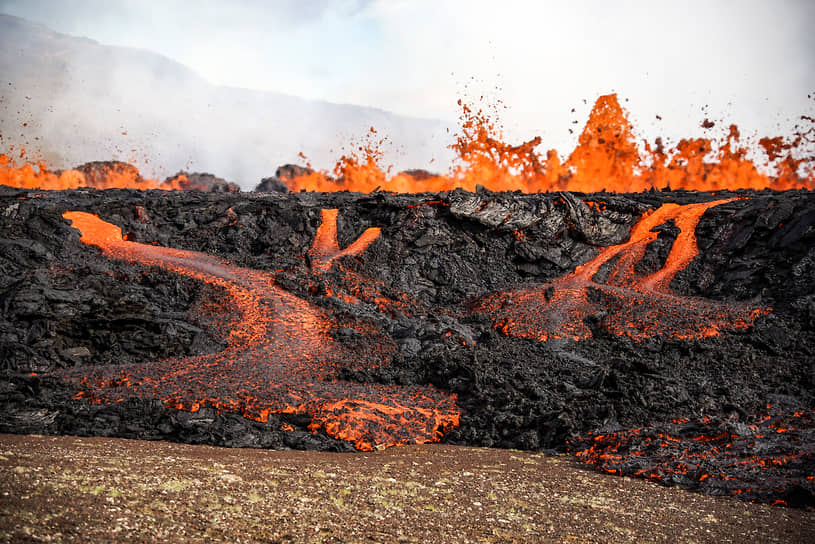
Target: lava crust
[{"x": 664, "y": 335}]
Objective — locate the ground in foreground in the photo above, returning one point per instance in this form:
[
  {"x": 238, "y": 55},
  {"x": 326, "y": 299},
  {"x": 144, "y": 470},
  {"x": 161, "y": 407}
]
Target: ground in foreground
[{"x": 68, "y": 489}]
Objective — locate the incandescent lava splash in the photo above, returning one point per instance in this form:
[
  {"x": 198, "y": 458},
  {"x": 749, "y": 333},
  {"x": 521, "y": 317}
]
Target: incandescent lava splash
[
  {"x": 280, "y": 358},
  {"x": 102, "y": 175},
  {"x": 98, "y": 175},
  {"x": 608, "y": 157}
]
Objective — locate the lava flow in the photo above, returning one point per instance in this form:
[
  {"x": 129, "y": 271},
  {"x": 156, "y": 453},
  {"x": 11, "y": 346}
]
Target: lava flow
[
  {"x": 280, "y": 357},
  {"x": 325, "y": 248},
  {"x": 624, "y": 304},
  {"x": 720, "y": 457}
]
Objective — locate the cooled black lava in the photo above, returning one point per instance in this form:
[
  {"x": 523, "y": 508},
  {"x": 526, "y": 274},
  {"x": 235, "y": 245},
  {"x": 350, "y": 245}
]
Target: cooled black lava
[{"x": 429, "y": 303}]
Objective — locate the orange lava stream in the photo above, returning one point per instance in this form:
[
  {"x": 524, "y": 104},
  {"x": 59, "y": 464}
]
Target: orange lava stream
[
  {"x": 325, "y": 249},
  {"x": 624, "y": 304},
  {"x": 280, "y": 357}
]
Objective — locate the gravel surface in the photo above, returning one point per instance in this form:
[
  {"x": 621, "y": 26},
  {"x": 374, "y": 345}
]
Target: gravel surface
[{"x": 69, "y": 489}]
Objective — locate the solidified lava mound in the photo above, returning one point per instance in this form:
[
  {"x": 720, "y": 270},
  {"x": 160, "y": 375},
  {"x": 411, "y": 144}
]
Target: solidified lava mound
[{"x": 667, "y": 335}]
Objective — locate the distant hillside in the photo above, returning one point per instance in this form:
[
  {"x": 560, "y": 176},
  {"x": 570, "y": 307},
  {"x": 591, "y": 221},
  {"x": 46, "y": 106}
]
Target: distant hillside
[{"x": 73, "y": 100}]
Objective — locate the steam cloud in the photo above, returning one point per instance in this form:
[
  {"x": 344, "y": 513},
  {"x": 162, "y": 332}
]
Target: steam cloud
[{"x": 70, "y": 100}]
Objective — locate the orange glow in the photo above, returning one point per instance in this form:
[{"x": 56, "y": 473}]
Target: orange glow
[
  {"x": 325, "y": 248},
  {"x": 281, "y": 357},
  {"x": 646, "y": 453},
  {"x": 606, "y": 158},
  {"x": 606, "y": 155},
  {"x": 37, "y": 176},
  {"x": 107, "y": 175},
  {"x": 630, "y": 305}
]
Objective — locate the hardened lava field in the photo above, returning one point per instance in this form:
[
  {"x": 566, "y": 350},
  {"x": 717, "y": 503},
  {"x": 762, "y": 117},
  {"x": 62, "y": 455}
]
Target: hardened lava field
[{"x": 563, "y": 322}]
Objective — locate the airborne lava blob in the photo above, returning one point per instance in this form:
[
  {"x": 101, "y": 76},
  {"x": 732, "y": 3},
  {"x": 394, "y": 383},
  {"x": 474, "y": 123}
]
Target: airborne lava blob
[
  {"x": 280, "y": 357},
  {"x": 624, "y": 304}
]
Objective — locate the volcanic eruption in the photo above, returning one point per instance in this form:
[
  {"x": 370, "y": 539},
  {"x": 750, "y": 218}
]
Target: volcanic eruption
[{"x": 649, "y": 309}]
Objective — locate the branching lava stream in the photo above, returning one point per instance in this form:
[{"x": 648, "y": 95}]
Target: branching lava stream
[
  {"x": 624, "y": 304},
  {"x": 280, "y": 356}
]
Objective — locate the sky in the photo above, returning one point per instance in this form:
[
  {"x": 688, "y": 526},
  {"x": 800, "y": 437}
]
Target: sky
[{"x": 744, "y": 61}]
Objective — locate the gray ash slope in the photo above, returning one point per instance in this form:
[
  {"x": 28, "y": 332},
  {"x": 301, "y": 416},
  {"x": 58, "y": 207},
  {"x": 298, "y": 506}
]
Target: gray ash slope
[{"x": 64, "y": 304}]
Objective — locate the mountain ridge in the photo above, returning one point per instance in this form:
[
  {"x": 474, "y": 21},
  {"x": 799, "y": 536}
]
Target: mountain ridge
[{"x": 72, "y": 99}]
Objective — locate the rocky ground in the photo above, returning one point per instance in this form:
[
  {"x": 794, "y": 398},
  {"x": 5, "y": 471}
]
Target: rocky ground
[
  {"x": 66, "y": 306},
  {"x": 68, "y": 489}
]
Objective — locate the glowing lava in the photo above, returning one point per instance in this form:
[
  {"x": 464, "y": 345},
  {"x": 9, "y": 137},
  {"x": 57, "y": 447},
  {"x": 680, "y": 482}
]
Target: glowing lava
[
  {"x": 624, "y": 304},
  {"x": 110, "y": 175},
  {"x": 95, "y": 175},
  {"x": 606, "y": 158},
  {"x": 325, "y": 249},
  {"x": 280, "y": 357},
  {"x": 715, "y": 455}
]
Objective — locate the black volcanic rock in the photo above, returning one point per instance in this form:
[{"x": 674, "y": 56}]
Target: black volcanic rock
[
  {"x": 65, "y": 305},
  {"x": 271, "y": 185},
  {"x": 291, "y": 171},
  {"x": 283, "y": 174},
  {"x": 197, "y": 181},
  {"x": 102, "y": 174},
  {"x": 419, "y": 174}
]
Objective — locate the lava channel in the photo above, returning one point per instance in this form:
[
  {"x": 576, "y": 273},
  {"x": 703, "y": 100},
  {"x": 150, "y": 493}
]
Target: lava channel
[
  {"x": 624, "y": 304},
  {"x": 280, "y": 357}
]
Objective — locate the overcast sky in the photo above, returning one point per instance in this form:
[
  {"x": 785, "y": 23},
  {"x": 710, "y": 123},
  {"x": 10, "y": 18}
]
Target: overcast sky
[{"x": 752, "y": 62}]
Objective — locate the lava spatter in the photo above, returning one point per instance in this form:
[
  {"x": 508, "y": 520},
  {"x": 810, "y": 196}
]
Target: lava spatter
[
  {"x": 280, "y": 356},
  {"x": 608, "y": 157},
  {"x": 625, "y": 303}
]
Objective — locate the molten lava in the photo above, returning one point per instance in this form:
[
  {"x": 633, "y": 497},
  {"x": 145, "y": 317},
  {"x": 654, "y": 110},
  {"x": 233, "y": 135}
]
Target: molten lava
[
  {"x": 108, "y": 175},
  {"x": 624, "y": 304},
  {"x": 720, "y": 457},
  {"x": 607, "y": 158},
  {"x": 280, "y": 357},
  {"x": 96, "y": 175},
  {"x": 325, "y": 249}
]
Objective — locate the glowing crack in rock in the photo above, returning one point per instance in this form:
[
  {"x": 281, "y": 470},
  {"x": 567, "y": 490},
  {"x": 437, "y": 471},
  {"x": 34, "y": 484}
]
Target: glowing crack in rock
[
  {"x": 280, "y": 356},
  {"x": 624, "y": 304},
  {"x": 713, "y": 455}
]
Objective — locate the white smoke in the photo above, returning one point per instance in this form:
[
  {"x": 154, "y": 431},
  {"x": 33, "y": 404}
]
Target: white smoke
[{"x": 73, "y": 100}]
